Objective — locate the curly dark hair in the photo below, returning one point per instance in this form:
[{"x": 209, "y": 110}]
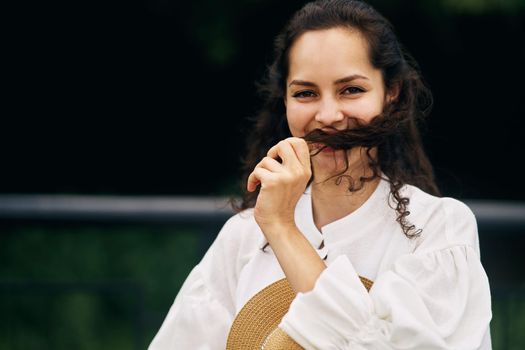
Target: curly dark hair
[{"x": 394, "y": 134}]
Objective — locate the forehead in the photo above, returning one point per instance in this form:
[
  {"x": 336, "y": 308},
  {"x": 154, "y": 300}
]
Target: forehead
[{"x": 330, "y": 53}]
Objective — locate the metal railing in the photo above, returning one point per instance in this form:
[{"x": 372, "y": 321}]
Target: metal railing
[
  {"x": 114, "y": 208},
  {"x": 188, "y": 209}
]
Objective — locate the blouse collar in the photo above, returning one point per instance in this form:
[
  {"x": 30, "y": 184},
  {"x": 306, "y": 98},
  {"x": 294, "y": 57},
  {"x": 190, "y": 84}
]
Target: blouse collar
[{"x": 372, "y": 209}]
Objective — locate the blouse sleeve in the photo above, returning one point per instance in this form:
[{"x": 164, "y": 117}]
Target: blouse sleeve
[
  {"x": 431, "y": 300},
  {"x": 203, "y": 310},
  {"x": 196, "y": 320}
]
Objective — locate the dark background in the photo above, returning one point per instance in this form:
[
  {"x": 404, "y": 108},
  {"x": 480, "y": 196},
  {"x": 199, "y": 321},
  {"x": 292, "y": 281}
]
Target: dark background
[{"x": 151, "y": 97}]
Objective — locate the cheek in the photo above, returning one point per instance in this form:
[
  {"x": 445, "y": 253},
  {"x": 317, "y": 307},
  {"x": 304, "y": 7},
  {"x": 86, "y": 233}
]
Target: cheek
[
  {"x": 299, "y": 116},
  {"x": 365, "y": 109}
]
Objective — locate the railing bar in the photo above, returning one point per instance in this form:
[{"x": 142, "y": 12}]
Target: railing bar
[{"x": 187, "y": 209}]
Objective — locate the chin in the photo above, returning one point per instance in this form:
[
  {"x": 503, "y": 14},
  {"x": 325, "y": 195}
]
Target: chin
[{"x": 329, "y": 162}]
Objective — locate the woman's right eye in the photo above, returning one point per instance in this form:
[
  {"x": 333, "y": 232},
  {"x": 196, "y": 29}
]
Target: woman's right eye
[{"x": 304, "y": 94}]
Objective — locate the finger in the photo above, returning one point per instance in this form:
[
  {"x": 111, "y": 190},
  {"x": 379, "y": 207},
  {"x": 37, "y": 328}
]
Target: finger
[
  {"x": 301, "y": 149},
  {"x": 285, "y": 151},
  {"x": 270, "y": 164},
  {"x": 266, "y": 163},
  {"x": 258, "y": 176}
]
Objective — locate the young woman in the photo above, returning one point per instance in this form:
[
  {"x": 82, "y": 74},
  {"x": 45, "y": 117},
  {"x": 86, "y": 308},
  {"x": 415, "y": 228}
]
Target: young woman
[{"x": 343, "y": 241}]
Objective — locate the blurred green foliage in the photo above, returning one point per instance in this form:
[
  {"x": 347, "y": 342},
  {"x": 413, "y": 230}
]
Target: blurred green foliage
[
  {"x": 110, "y": 287},
  {"x": 90, "y": 288},
  {"x": 508, "y": 320}
]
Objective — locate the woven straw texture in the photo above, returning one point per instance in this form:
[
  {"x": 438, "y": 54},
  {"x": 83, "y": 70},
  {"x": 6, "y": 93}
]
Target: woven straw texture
[{"x": 255, "y": 326}]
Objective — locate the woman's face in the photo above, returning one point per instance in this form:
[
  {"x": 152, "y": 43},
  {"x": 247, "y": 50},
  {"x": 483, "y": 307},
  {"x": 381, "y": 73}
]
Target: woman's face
[{"x": 330, "y": 81}]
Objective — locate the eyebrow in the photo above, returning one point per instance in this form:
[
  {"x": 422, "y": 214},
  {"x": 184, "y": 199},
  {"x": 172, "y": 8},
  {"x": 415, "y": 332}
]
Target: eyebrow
[{"x": 338, "y": 81}]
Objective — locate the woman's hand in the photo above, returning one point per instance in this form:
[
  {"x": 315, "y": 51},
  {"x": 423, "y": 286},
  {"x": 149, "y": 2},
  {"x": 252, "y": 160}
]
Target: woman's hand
[{"x": 282, "y": 184}]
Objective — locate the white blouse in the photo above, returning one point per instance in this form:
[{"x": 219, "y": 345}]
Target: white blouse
[{"x": 430, "y": 292}]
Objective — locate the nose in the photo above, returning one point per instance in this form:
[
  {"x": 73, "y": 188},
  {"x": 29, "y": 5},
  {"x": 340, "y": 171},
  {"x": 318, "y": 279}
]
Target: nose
[{"x": 329, "y": 112}]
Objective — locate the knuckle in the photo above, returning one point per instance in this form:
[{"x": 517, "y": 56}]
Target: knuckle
[
  {"x": 263, "y": 162},
  {"x": 271, "y": 183},
  {"x": 296, "y": 140},
  {"x": 296, "y": 171},
  {"x": 289, "y": 178}
]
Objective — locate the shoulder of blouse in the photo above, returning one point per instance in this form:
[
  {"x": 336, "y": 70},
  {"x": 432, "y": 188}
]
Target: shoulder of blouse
[
  {"x": 239, "y": 237},
  {"x": 240, "y": 227},
  {"x": 445, "y": 221}
]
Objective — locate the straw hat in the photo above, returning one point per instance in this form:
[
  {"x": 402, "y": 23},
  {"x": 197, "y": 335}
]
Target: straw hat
[{"x": 255, "y": 326}]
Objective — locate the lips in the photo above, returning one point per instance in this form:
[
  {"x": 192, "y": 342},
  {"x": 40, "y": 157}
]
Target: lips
[
  {"x": 330, "y": 131},
  {"x": 319, "y": 147},
  {"x": 327, "y": 149}
]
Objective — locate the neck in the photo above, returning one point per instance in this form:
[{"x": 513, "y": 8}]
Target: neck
[{"x": 331, "y": 200}]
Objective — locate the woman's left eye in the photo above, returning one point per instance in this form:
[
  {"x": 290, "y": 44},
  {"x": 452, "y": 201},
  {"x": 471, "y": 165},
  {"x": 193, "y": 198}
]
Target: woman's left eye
[{"x": 353, "y": 90}]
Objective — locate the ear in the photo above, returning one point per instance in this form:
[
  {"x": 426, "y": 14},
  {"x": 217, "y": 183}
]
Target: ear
[{"x": 393, "y": 93}]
